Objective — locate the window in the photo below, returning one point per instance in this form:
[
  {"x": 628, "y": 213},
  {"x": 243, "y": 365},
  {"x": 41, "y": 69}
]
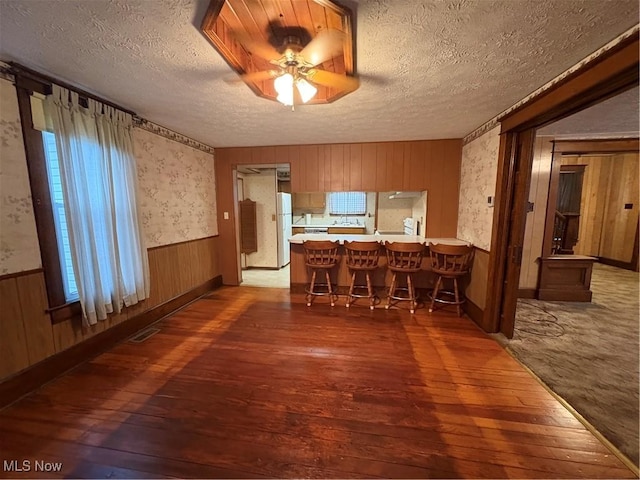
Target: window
[
  {"x": 348, "y": 203},
  {"x": 93, "y": 256},
  {"x": 59, "y": 216}
]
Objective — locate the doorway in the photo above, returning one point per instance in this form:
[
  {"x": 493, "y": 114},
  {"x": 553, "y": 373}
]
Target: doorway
[
  {"x": 264, "y": 224},
  {"x": 612, "y": 73}
]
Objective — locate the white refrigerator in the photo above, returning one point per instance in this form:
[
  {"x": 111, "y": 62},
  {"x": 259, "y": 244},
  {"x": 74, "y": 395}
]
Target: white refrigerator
[{"x": 283, "y": 219}]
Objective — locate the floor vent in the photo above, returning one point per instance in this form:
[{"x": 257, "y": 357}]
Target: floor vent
[{"x": 145, "y": 334}]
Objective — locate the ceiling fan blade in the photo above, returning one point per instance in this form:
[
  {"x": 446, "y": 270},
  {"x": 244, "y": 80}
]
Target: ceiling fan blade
[
  {"x": 326, "y": 45},
  {"x": 334, "y": 80},
  {"x": 255, "y": 76},
  {"x": 257, "y": 47}
]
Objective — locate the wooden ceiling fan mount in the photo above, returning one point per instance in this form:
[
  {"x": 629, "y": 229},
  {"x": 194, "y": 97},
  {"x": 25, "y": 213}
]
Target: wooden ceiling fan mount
[{"x": 241, "y": 32}]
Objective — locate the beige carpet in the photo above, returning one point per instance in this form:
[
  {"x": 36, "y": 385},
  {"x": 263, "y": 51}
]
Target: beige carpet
[{"x": 588, "y": 353}]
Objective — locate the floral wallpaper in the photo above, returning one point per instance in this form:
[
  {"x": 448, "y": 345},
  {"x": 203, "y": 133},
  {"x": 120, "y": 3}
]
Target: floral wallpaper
[
  {"x": 19, "y": 248},
  {"x": 477, "y": 182},
  {"x": 177, "y": 191}
]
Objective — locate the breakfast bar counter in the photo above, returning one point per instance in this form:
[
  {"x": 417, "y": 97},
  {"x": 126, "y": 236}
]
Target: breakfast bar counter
[{"x": 340, "y": 275}]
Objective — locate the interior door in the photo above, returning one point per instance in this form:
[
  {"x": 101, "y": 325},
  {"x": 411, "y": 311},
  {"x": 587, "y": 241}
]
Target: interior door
[{"x": 522, "y": 165}]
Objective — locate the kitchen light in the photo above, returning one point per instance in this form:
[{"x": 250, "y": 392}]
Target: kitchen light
[{"x": 284, "y": 86}]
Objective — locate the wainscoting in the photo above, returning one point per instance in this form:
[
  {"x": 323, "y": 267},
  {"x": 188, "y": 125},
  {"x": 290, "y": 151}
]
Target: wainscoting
[{"x": 28, "y": 337}]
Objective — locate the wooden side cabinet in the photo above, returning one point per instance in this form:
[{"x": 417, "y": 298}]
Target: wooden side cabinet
[
  {"x": 566, "y": 278},
  {"x": 248, "y": 227}
]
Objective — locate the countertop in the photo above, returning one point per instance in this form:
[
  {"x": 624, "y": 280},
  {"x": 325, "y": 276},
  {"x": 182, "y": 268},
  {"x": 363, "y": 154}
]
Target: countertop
[
  {"x": 326, "y": 225},
  {"x": 341, "y": 237}
]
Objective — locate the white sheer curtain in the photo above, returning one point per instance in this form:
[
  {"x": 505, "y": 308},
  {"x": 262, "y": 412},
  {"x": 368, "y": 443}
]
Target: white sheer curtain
[{"x": 99, "y": 180}]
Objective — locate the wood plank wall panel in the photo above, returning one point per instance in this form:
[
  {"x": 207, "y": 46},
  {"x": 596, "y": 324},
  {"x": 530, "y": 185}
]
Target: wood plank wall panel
[
  {"x": 432, "y": 165},
  {"x": 620, "y": 224},
  {"x": 32, "y": 297},
  {"x": 595, "y": 184},
  {"x": 450, "y": 180},
  {"x": 337, "y": 168},
  {"x": 606, "y": 228},
  {"x": 369, "y": 166},
  {"x": 355, "y": 167},
  {"x": 13, "y": 341},
  {"x": 27, "y": 335}
]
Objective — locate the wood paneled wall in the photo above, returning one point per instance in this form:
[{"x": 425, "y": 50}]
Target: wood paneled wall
[
  {"x": 432, "y": 165},
  {"x": 620, "y": 224},
  {"x": 27, "y": 335},
  {"x": 607, "y": 229}
]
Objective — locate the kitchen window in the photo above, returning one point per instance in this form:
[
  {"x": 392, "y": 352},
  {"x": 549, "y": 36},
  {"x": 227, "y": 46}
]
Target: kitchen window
[{"x": 348, "y": 203}]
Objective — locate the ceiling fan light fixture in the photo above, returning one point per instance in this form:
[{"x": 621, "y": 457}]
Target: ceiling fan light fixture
[
  {"x": 284, "y": 86},
  {"x": 307, "y": 91}
]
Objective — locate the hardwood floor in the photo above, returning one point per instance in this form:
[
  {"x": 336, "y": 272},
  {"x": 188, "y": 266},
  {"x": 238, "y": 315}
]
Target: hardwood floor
[{"x": 249, "y": 382}]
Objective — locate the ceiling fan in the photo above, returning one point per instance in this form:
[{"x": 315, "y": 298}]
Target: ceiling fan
[{"x": 297, "y": 66}]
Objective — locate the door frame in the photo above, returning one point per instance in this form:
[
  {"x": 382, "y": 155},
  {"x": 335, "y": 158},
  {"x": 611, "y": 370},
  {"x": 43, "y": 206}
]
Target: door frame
[{"x": 612, "y": 73}]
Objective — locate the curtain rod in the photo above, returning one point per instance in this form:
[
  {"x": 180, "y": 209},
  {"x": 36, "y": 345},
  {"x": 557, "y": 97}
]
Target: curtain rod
[{"x": 21, "y": 70}]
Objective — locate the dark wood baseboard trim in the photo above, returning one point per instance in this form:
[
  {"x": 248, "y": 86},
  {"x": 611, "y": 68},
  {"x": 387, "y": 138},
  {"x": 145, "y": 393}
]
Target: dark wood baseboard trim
[
  {"x": 474, "y": 312},
  {"x": 633, "y": 266},
  {"x": 527, "y": 293},
  {"x": 37, "y": 375},
  {"x": 261, "y": 268}
]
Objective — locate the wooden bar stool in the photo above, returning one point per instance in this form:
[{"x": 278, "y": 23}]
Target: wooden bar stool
[
  {"x": 403, "y": 258},
  {"x": 320, "y": 256},
  {"x": 362, "y": 257},
  {"x": 449, "y": 262}
]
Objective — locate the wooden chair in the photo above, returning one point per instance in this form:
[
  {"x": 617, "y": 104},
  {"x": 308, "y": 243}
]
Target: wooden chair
[
  {"x": 403, "y": 258},
  {"x": 449, "y": 262},
  {"x": 362, "y": 257},
  {"x": 320, "y": 256}
]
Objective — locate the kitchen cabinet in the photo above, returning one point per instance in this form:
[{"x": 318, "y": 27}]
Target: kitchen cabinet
[
  {"x": 297, "y": 230},
  {"x": 348, "y": 230},
  {"x": 315, "y": 201}
]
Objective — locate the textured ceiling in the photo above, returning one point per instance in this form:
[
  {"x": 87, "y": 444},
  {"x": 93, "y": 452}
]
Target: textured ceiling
[
  {"x": 431, "y": 69},
  {"x": 617, "y": 117}
]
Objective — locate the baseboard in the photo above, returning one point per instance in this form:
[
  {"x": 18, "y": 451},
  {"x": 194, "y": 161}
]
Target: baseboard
[
  {"x": 261, "y": 268},
  {"x": 632, "y": 265},
  {"x": 474, "y": 312},
  {"x": 526, "y": 293},
  {"x": 37, "y": 375}
]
